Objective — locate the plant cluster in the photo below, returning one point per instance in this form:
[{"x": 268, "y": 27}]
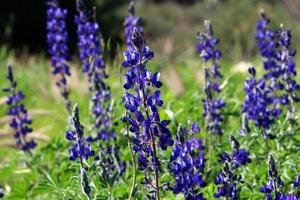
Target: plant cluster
[{"x": 160, "y": 163}]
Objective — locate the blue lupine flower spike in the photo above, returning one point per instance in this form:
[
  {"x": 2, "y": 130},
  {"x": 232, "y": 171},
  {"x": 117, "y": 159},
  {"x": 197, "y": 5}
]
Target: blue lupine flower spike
[
  {"x": 80, "y": 149},
  {"x": 57, "y": 38},
  {"x": 228, "y": 180},
  {"x": 279, "y": 65},
  {"x": 142, "y": 99},
  {"x": 89, "y": 44},
  {"x": 257, "y": 106},
  {"x": 266, "y": 97},
  {"x": 131, "y": 22},
  {"x": 212, "y": 103},
  {"x": 266, "y": 108},
  {"x": 19, "y": 118},
  {"x": 288, "y": 68},
  {"x": 272, "y": 189},
  {"x": 187, "y": 163}
]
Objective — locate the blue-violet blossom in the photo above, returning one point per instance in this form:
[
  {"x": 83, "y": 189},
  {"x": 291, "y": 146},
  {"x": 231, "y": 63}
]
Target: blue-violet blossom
[
  {"x": 258, "y": 104},
  {"x": 20, "y": 121},
  {"x": 80, "y": 149},
  {"x": 187, "y": 163},
  {"x": 275, "y": 47},
  {"x": 228, "y": 180},
  {"x": 131, "y": 22},
  {"x": 141, "y": 104},
  {"x": 288, "y": 71},
  {"x": 89, "y": 43},
  {"x": 57, "y": 37},
  {"x": 269, "y": 189},
  {"x": 272, "y": 189},
  {"x": 100, "y": 105},
  {"x": 212, "y": 104}
]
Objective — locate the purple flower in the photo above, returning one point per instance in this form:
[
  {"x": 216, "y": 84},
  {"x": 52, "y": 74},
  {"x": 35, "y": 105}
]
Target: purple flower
[
  {"x": 265, "y": 41},
  {"x": 288, "y": 71},
  {"x": 131, "y": 22},
  {"x": 212, "y": 104},
  {"x": 80, "y": 149},
  {"x": 1, "y": 192},
  {"x": 279, "y": 64},
  {"x": 258, "y": 104},
  {"x": 228, "y": 179},
  {"x": 272, "y": 189},
  {"x": 89, "y": 43},
  {"x": 187, "y": 163},
  {"x": 142, "y": 100},
  {"x": 100, "y": 104},
  {"x": 226, "y": 190},
  {"x": 20, "y": 121},
  {"x": 57, "y": 37},
  {"x": 110, "y": 162},
  {"x": 94, "y": 68}
]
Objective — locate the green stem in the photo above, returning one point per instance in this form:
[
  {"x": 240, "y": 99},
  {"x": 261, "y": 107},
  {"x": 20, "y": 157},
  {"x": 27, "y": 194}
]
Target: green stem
[
  {"x": 209, "y": 149},
  {"x": 133, "y": 185},
  {"x": 267, "y": 146}
]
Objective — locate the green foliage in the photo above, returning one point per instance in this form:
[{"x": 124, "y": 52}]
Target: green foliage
[{"x": 49, "y": 174}]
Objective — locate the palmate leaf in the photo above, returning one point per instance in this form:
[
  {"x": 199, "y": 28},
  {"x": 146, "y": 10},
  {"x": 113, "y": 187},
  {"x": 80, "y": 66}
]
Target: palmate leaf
[
  {"x": 46, "y": 184},
  {"x": 120, "y": 190}
]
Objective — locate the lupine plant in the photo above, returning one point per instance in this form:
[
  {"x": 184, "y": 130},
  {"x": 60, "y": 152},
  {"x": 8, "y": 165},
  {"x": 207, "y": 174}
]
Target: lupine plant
[
  {"x": 187, "y": 163},
  {"x": 228, "y": 180},
  {"x": 142, "y": 103},
  {"x": 288, "y": 67},
  {"x": 275, "y": 47},
  {"x": 257, "y": 104},
  {"x": 212, "y": 102},
  {"x": 273, "y": 193},
  {"x": 261, "y": 105},
  {"x": 272, "y": 189},
  {"x": 186, "y": 170},
  {"x": 19, "y": 119},
  {"x": 266, "y": 97},
  {"x": 89, "y": 43},
  {"x": 131, "y": 22},
  {"x": 100, "y": 104},
  {"x": 57, "y": 38},
  {"x": 80, "y": 149}
]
